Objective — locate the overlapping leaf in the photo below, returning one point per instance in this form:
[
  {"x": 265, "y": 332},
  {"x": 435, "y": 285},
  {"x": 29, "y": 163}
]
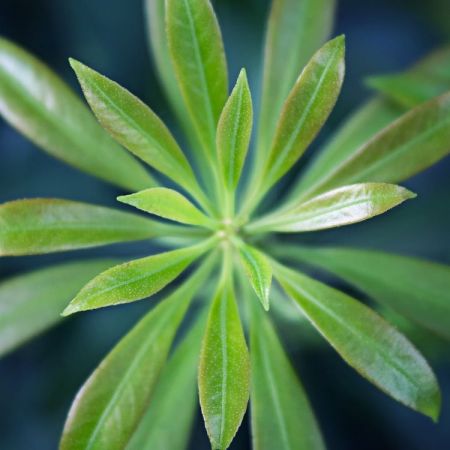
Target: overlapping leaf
[{"x": 38, "y": 103}]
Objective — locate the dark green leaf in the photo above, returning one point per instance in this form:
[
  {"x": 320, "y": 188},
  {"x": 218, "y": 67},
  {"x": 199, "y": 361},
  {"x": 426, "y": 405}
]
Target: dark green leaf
[
  {"x": 111, "y": 402},
  {"x": 296, "y": 29},
  {"x": 175, "y": 396},
  {"x": 135, "y": 279},
  {"x": 31, "y": 303},
  {"x": 366, "y": 342},
  {"x": 224, "y": 371},
  {"x": 281, "y": 414},
  {"x": 259, "y": 272},
  {"x": 198, "y": 57},
  {"x": 335, "y": 208},
  {"x": 167, "y": 203},
  {"x": 418, "y": 289},
  {"x": 36, "y": 226},
  {"x": 38, "y": 103}
]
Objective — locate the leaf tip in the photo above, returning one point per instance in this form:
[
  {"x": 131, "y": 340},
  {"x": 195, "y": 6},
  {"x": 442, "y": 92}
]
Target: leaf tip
[{"x": 70, "y": 309}]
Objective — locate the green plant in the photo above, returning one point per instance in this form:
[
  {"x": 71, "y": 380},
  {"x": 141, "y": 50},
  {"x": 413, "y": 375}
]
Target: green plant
[{"x": 130, "y": 401}]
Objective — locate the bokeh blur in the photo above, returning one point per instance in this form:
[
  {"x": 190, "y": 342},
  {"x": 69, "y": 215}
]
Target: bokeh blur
[{"x": 38, "y": 381}]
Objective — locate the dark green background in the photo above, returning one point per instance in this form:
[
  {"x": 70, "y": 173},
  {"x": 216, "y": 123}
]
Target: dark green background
[{"x": 38, "y": 382}]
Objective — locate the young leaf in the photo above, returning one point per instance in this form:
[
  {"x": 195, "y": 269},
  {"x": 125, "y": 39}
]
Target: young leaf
[
  {"x": 135, "y": 126},
  {"x": 366, "y": 342},
  {"x": 296, "y": 29},
  {"x": 110, "y": 404},
  {"x": 427, "y": 79},
  {"x": 31, "y": 303},
  {"x": 259, "y": 272},
  {"x": 306, "y": 109},
  {"x": 175, "y": 395},
  {"x": 35, "y": 101},
  {"x": 281, "y": 416},
  {"x": 224, "y": 371},
  {"x": 234, "y": 131},
  {"x": 135, "y": 279},
  {"x": 34, "y": 226},
  {"x": 336, "y": 208},
  {"x": 198, "y": 56},
  {"x": 167, "y": 203},
  {"x": 412, "y": 143},
  {"x": 417, "y": 289}
]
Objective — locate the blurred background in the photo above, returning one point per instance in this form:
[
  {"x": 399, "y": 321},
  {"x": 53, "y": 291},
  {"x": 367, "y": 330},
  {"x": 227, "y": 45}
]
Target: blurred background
[{"x": 38, "y": 382}]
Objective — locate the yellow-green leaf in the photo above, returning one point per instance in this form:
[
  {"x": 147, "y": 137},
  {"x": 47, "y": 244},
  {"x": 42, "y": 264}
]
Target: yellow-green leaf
[{"x": 35, "y": 101}]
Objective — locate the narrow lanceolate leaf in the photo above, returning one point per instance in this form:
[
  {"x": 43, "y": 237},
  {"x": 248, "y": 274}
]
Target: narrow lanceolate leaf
[
  {"x": 34, "y": 226},
  {"x": 175, "y": 396},
  {"x": 411, "y": 144},
  {"x": 198, "y": 56},
  {"x": 111, "y": 402},
  {"x": 306, "y": 109},
  {"x": 31, "y": 303},
  {"x": 427, "y": 79},
  {"x": 415, "y": 288},
  {"x": 167, "y": 203},
  {"x": 281, "y": 416},
  {"x": 296, "y": 29},
  {"x": 134, "y": 125},
  {"x": 35, "y": 101},
  {"x": 259, "y": 272},
  {"x": 336, "y": 208},
  {"x": 135, "y": 279},
  {"x": 224, "y": 371},
  {"x": 234, "y": 132},
  {"x": 366, "y": 342}
]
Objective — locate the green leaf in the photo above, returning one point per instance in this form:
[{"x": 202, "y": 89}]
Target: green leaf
[
  {"x": 259, "y": 272},
  {"x": 224, "y": 371},
  {"x": 175, "y": 395},
  {"x": 335, "y": 208},
  {"x": 35, "y": 101},
  {"x": 234, "y": 131},
  {"x": 32, "y": 302},
  {"x": 135, "y": 126},
  {"x": 415, "y": 288},
  {"x": 296, "y": 29},
  {"x": 167, "y": 203},
  {"x": 427, "y": 79},
  {"x": 306, "y": 109},
  {"x": 411, "y": 144},
  {"x": 366, "y": 342},
  {"x": 135, "y": 280},
  {"x": 34, "y": 226},
  {"x": 281, "y": 416},
  {"x": 198, "y": 56},
  {"x": 110, "y": 404}
]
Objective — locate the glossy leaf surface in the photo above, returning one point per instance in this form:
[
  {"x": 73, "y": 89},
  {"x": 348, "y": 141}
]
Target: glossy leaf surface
[
  {"x": 166, "y": 203},
  {"x": 336, "y": 208},
  {"x": 34, "y": 226},
  {"x": 281, "y": 416},
  {"x": 175, "y": 395},
  {"x": 412, "y": 143},
  {"x": 296, "y": 30},
  {"x": 134, "y": 125},
  {"x": 196, "y": 47},
  {"x": 415, "y": 288},
  {"x": 32, "y": 302},
  {"x": 111, "y": 402},
  {"x": 306, "y": 109},
  {"x": 259, "y": 272},
  {"x": 234, "y": 131},
  {"x": 134, "y": 280},
  {"x": 224, "y": 371},
  {"x": 41, "y": 106},
  {"x": 366, "y": 342}
]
